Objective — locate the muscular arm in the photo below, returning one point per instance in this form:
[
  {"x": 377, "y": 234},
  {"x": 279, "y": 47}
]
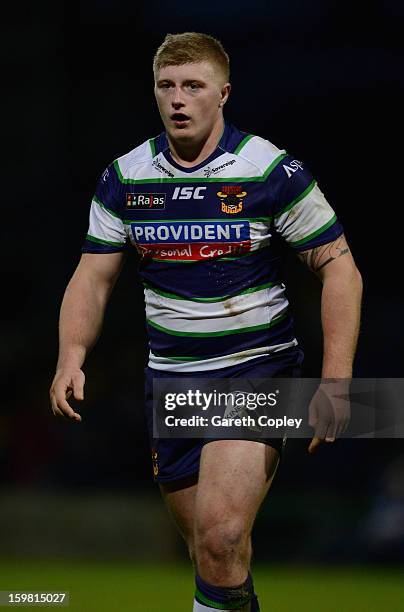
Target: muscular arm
[
  {"x": 81, "y": 318},
  {"x": 340, "y": 304},
  {"x": 340, "y": 316}
]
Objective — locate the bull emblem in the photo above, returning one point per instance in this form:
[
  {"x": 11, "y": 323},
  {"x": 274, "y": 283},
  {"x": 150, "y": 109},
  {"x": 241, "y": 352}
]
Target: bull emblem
[{"x": 231, "y": 199}]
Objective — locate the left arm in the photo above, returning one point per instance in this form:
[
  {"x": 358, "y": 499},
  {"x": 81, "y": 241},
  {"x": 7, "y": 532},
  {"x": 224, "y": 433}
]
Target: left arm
[
  {"x": 340, "y": 304},
  {"x": 304, "y": 218},
  {"x": 340, "y": 317}
]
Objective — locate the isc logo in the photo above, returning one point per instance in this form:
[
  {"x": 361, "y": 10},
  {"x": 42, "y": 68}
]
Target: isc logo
[{"x": 189, "y": 193}]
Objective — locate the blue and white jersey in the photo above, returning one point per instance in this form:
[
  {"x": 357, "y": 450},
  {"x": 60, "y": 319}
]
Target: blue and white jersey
[{"x": 210, "y": 271}]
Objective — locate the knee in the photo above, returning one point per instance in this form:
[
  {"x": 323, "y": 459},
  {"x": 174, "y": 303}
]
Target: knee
[{"x": 222, "y": 539}]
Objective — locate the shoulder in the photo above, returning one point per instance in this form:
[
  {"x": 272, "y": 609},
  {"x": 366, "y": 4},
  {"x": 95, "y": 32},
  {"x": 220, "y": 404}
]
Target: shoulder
[
  {"x": 139, "y": 156},
  {"x": 260, "y": 152},
  {"x": 279, "y": 168}
]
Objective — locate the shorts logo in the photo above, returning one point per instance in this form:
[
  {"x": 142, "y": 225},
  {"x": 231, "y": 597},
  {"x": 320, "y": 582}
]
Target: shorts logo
[
  {"x": 146, "y": 201},
  {"x": 154, "y": 462},
  {"x": 232, "y": 199}
]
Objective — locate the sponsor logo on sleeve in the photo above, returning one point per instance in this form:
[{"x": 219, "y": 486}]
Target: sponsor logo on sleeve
[
  {"x": 231, "y": 197},
  {"x": 293, "y": 167},
  {"x": 145, "y": 201}
]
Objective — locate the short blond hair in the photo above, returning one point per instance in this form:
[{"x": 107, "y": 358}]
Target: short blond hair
[{"x": 191, "y": 47}]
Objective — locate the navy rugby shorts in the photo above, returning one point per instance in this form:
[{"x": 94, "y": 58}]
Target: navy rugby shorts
[{"x": 175, "y": 459}]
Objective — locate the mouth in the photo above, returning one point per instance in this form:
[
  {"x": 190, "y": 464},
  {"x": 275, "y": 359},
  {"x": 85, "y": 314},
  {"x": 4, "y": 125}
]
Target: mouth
[{"x": 180, "y": 119}]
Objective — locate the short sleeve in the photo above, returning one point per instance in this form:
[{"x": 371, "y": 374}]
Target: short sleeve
[
  {"x": 106, "y": 232},
  {"x": 301, "y": 212}
]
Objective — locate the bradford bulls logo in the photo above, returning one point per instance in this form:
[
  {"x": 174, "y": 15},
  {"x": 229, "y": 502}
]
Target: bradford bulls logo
[{"x": 232, "y": 199}]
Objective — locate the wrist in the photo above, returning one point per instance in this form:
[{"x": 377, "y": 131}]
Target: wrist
[
  {"x": 335, "y": 385},
  {"x": 71, "y": 359},
  {"x": 335, "y": 371}
]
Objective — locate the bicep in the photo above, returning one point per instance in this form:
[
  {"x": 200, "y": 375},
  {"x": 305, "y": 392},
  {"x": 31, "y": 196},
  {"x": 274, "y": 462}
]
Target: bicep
[
  {"x": 333, "y": 257},
  {"x": 101, "y": 269}
]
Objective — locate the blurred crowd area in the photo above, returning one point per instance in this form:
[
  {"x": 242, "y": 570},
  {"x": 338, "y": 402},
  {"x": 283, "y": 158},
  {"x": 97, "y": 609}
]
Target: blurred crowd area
[{"x": 320, "y": 78}]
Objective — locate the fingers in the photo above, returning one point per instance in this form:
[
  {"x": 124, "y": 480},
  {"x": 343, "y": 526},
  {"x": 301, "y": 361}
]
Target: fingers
[
  {"x": 60, "y": 406},
  {"x": 322, "y": 428},
  {"x": 324, "y": 432},
  {"x": 332, "y": 432},
  {"x": 313, "y": 414},
  {"x": 316, "y": 442},
  {"x": 329, "y": 415},
  {"x": 62, "y": 389},
  {"x": 78, "y": 386}
]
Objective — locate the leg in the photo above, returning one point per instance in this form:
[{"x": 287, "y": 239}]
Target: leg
[
  {"x": 179, "y": 497},
  {"x": 234, "y": 477}
]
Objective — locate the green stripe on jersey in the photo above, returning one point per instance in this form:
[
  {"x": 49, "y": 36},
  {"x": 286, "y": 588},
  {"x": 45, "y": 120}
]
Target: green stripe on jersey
[
  {"x": 298, "y": 199},
  {"x": 314, "y": 234},
  {"x": 226, "y": 332},
  {"x": 108, "y": 242},
  {"x": 200, "y": 179},
  {"x": 243, "y": 143},
  {"x": 211, "y": 299},
  {"x": 272, "y": 166},
  {"x": 199, "y": 358},
  {"x": 152, "y": 143},
  {"x": 198, "y": 220},
  {"x": 108, "y": 210}
]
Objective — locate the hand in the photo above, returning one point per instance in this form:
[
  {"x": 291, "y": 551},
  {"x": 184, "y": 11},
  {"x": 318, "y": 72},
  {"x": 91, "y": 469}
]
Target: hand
[
  {"x": 329, "y": 411},
  {"x": 67, "y": 381}
]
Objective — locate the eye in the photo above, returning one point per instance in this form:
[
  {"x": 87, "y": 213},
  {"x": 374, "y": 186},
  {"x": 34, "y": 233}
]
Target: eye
[{"x": 194, "y": 86}]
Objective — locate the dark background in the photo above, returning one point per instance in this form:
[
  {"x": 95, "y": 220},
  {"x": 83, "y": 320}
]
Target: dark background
[{"x": 322, "y": 79}]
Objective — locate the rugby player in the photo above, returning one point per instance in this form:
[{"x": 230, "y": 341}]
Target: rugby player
[{"x": 200, "y": 203}]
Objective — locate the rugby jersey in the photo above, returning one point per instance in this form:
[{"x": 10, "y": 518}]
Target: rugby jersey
[{"x": 204, "y": 236}]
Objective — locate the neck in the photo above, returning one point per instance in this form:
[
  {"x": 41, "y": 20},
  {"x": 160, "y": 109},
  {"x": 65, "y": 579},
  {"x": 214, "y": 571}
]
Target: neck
[{"x": 193, "y": 153}]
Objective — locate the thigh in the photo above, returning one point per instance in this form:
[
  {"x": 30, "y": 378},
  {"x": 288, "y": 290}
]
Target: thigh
[{"x": 234, "y": 477}]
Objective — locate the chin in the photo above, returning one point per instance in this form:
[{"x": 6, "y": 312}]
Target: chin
[{"x": 183, "y": 134}]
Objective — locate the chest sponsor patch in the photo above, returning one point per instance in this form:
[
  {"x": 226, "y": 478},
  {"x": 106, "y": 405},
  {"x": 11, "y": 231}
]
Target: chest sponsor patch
[
  {"x": 145, "y": 201},
  {"x": 191, "y": 240}
]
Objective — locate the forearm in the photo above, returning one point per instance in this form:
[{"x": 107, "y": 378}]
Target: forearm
[
  {"x": 340, "y": 316},
  {"x": 81, "y": 318}
]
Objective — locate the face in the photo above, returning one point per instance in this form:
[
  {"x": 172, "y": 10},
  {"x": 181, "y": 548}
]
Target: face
[{"x": 190, "y": 100}]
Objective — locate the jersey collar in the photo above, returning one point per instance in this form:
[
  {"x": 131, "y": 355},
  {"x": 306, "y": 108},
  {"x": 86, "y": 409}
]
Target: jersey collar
[{"x": 228, "y": 142}]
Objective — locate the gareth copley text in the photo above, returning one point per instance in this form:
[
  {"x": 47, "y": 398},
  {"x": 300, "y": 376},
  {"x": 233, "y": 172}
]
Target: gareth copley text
[{"x": 242, "y": 421}]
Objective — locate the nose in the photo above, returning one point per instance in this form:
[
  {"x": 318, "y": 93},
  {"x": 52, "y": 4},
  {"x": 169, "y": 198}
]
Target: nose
[{"x": 177, "y": 99}]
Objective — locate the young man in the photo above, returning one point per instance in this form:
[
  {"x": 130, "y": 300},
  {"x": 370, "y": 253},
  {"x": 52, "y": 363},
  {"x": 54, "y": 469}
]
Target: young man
[{"x": 199, "y": 203}]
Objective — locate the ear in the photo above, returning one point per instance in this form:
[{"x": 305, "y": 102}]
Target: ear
[{"x": 224, "y": 94}]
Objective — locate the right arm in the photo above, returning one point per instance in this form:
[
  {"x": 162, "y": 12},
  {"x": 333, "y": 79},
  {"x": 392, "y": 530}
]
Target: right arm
[{"x": 80, "y": 324}]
